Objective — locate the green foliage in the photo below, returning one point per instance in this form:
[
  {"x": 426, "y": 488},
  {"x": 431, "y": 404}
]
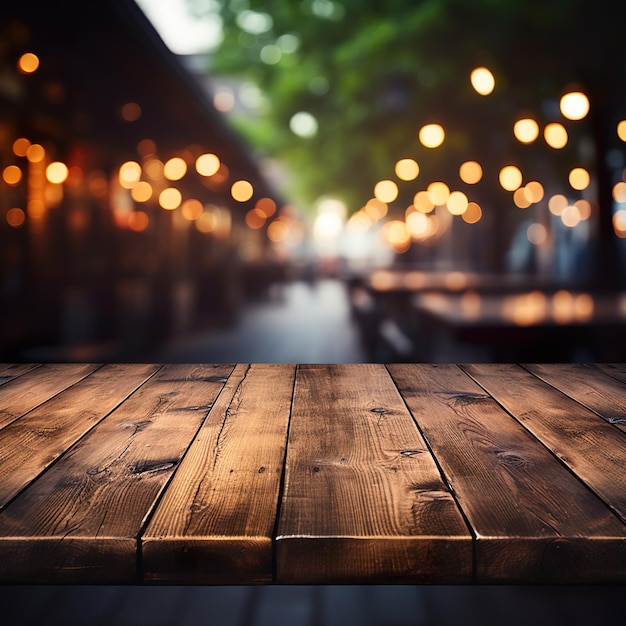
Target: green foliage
[{"x": 373, "y": 71}]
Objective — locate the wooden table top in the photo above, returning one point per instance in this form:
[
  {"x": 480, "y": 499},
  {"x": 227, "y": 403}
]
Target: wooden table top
[{"x": 220, "y": 474}]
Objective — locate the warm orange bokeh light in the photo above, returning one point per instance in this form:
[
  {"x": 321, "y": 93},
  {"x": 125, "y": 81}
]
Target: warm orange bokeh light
[
  {"x": 422, "y": 202},
  {"x": 15, "y": 217},
  {"x": 470, "y": 172},
  {"x": 386, "y": 191},
  {"x": 472, "y": 214},
  {"x": 130, "y": 112},
  {"x": 557, "y": 204},
  {"x": 255, "y": 219},
  {"x": 138, "y": 221},
  {"x": 537, "y": 234},
  {"x": 12, "y": 174},
  {"x": 175, "y": 168},
  {"x": 482, "y": 81},
  {"x": 457, "y": 203},
  {"x": 57, "y": 172},
  {"x": 432, "y": 135},
  {"x": 142, "y": 191},
  {"x": 35, "y": 153},
  {"x": 407, "y": 169},
  {"x": 129, "y": 174},
  {"x": 438, "y": 193},
  {"x": 579, "y": 178},
  {"x": 526, "y": 130},
  {"x": 375, "y": 209},
  {"x": 20, "y": 146},
  {"x": 192, "y": 209},
  {"x": 555, "y": 135},
  {"x": 267, "y": 206},
  {"x": 170, "y": 198},
  {"x": 510, "y": 177},
  {"x": 574, "y": 105},
  {"x": 207, "y": 164},
  {"x": 28, "y": 63},
  {"x": 242, "y": 190}
]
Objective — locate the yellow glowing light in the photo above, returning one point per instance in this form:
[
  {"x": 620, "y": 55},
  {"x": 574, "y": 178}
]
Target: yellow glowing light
[
  {"x": 482, "y": 81},
  {"x": 526, "y": 130},
  {"x": 35, "y": 153},
  {"x": 555, "y": 135},
  {"x": 537, "y": 234},
  {"x": 242, "y": 190},
  {"x": 579, "y": 178},
  {"x": 422, "y": 202},
  {"x": 417, "y": 225},
  {"x": 131, "y": 112},
  {"x": 277, "y": 231},
  {"x": 510, "y": 177},
  {"x": 129, "y": 174},
  {"x": 28, "y": 63},
  {"x": 557, "y": 204},
  {"x": 386, "y": 191},
  {"x": 57, "y": 172},
  {"x": 563, "y": 306},
  {"x": 255, "y": 218},
  {"x": 534, "y": 191},
  {"x": 207, "y": 222},
  {"x": 619, "y": 223},
  {"x": 584, "y": 209},
  {"x": 138, "y": 221},
  {"x": 142, "y": 191},
  {"x": 584, "y": 307},
  {"x": 520, "y": 199},
  {"x": 375, "y": 209},
  {"x": 621, "y": 130},
  {"x": 207, "y": 164},
  {"x": 473, "y": 213},
  {"x": 574, "y": 105},
  {"x": 526, "y": 309},
  {"x": 571, "y": 216},
  {"x": 619, "y": 192},
  {"x": 12, "y": 174},
  {"x": 15, "y": 217},
  {"x": 407, "y": 169},
  {"x": 192, "y": 209},
  {"x": 432, "y": 135},
  {"x": 470, "y": 172},
  {"x": 20, "y": 146},
  {"x": 359, "y": 222},
  {"x": 170, "y": 198},
  {"x": 175, "y": 168},
  {"x": 457, "y": 203},
  {"x": 154, "y": 169},
  {"x": 438, "y": 193},
  {"x": 396, "y": 234}
]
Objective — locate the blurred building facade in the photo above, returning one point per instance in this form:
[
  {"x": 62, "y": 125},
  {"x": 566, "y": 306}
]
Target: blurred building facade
[{"x": 126, "y": 202}]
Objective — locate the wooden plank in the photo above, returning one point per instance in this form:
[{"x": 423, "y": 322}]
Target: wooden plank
[
  {"x": 534, "y": 521},
  {"x": 616, "y": 370},
  {"x": 363, "y": 498},
  {"x": 79, "y": 522},
  {"x": 588, "y": 385},
  {"x": 591, "y": 447},
  {"x": 23, "y": 394},
  {"x": 215, "y": 523},
  {"x": 29, "y": 445},
  {"x": 9, "y": 371}
]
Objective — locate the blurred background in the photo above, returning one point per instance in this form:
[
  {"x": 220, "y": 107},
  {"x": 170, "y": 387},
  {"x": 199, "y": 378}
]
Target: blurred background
[
  {"x": 321, "y": 180},
  {"x": 312, "y": 181}
]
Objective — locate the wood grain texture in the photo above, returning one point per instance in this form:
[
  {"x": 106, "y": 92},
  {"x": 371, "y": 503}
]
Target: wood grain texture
[
  {"x": 363, "y": 498},
  {"x": 591, "y": 447},
  {"x": 30, "y": 444},
  {"x": 586, "y": 384},
  {"x": 24, "y": 393},
  {"x": 215, "y": 523},
  {"x": 615, "y": 370},
  {"x": 9, "y": 371},
  {"x": 79, "y": 522},
  {"x": 534, "y": 521}
]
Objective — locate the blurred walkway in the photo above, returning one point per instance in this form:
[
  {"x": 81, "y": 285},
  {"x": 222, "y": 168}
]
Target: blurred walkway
[{"x": 301, "y": 323}]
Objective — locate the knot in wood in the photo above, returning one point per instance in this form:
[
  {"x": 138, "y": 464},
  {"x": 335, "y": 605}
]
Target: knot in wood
[{"x": 378, "y": 410}]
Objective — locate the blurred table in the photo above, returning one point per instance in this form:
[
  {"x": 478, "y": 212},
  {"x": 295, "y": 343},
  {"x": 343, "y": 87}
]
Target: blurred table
[
  {"x": 239, "y": 474},
  {"x": 556, "y": 322}
]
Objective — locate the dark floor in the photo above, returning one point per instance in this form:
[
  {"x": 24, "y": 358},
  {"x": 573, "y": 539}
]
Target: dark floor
[{"x": 311, "y": 606}]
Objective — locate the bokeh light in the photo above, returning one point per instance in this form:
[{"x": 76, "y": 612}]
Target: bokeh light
[
  {"x": 407, "y": 169},
  {"x": 207, "y": 164},
  {"x": 386, "y": 191},
  {"x": 473, "y": 213},
  {"x": 526, "y": 130},
  {"x": 555, "y": 135},
  {"x": 12, "y": 174},
  {"x": 482, "y": 81},
  {"x": 242, "y": 190},
  {"x": 175, "y": 168},
  {"x": 574, "y": 105},
  {"x": 579, "y": 178},
  {"x": 471, "y": 172},
  {"x": 510, "y": 177},
  {"x": 170, "y": 198},
  {"x": 438, "y": 193},
  {"x": 28, "y": 63},
  {"x": 432, "y": 135}
]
